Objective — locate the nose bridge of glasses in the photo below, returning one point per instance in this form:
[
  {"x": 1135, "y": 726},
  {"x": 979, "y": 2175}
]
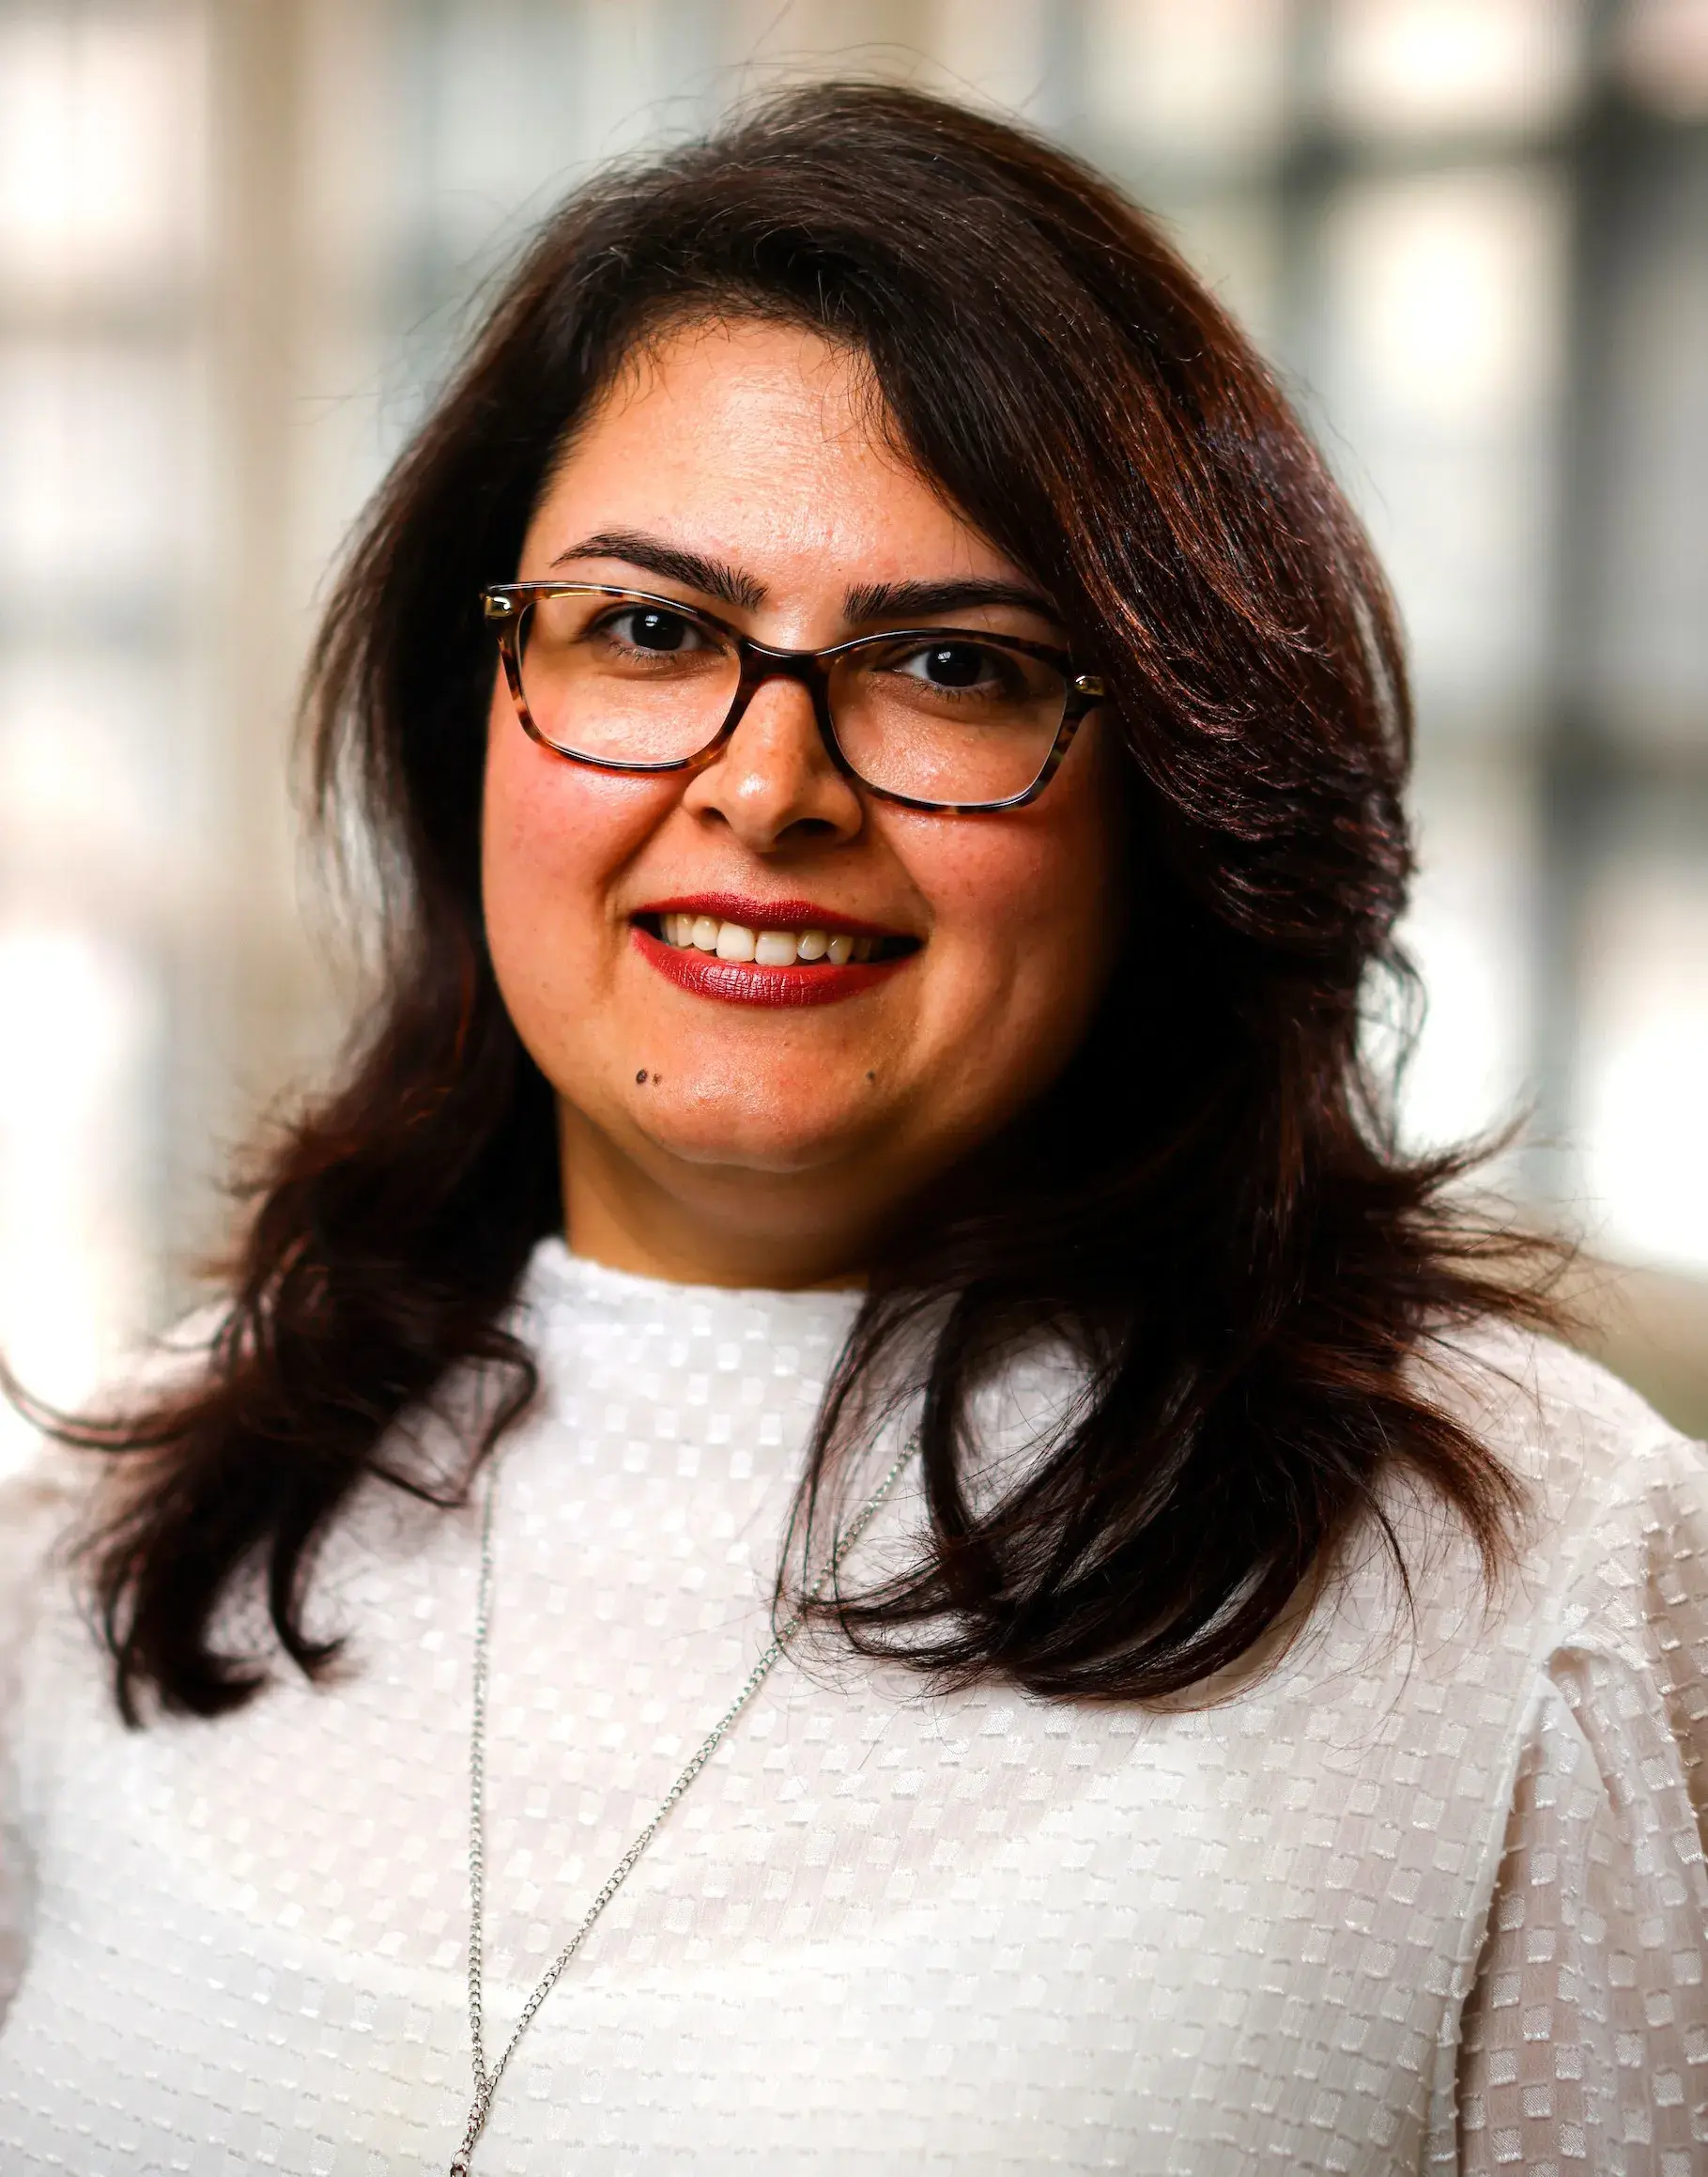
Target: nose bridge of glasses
[{"x": 760, "y": 664}]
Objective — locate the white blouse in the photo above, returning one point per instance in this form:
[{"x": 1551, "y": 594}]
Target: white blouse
[{"x": 1429, "y": 1896}]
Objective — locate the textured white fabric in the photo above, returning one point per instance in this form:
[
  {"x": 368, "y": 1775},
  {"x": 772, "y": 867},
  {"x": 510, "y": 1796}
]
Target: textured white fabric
[{"x": 1415, "y": 1902}]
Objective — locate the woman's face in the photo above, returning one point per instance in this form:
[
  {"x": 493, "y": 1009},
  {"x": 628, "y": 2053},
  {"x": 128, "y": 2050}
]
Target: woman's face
[{"x": 709, "y": 1132}]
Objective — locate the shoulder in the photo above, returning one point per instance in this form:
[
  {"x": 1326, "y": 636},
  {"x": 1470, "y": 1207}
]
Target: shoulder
[
  {"x": 1616, "y": 1499},
  {"x": 1562, "y": 1419},
  {"x": 41, "y": 1499},
  {"x": 43, "y": 1504},
  {"x": 1558, "y": 1420},
  {"x": 52, "y": 1497}
]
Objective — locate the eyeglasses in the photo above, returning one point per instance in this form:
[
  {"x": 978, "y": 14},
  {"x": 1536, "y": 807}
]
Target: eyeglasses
[{"x": 945, "y": 718}]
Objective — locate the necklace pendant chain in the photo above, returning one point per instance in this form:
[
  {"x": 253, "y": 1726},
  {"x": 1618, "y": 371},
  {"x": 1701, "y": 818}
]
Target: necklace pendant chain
[{"x": 486, "y": 2078}]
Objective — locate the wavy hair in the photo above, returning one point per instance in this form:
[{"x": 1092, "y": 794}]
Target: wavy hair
[{"x": 1210, "y": 1202}]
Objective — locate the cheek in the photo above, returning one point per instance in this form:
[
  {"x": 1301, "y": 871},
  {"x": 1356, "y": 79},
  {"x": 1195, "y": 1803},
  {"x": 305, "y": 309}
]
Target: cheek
[
  {"x": 525, "y": 838},
  {"x": 1031, "y": 909},
  {"x": 552, "y": 836}
]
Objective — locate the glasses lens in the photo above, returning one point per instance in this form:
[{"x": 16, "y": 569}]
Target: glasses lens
[
  {"x": 951, "y": 719},
  {"x": 624, "y": 680}
]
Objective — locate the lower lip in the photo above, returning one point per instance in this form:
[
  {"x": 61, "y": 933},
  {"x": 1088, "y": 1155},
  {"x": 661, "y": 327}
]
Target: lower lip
[{"x": 744, "y": 982}]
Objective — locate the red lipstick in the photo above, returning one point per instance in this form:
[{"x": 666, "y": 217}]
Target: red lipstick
[
  {"x": 746, "y": 983},
  {"x": 820, "y": 981}
]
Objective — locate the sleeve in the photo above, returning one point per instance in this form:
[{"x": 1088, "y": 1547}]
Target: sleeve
[
  {"x": 34, "y": 1508},
  {"x": 1584, "y": 2043}
]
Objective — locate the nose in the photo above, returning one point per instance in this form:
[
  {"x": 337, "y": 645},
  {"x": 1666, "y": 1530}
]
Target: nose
[{"x": 773, "y": 782}]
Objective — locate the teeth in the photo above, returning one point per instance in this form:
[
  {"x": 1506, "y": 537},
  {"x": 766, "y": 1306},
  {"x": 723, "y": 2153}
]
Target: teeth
[{"x": 766, "y": 948}]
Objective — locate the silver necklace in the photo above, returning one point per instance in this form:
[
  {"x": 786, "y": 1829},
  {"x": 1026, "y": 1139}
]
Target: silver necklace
[{"x": 486, "y": 2078}]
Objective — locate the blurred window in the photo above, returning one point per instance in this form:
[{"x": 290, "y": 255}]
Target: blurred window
[
  {"x": 1664, "y": 48},
  {"x": 1446, "y": 66},
  {"x": 1438, "y": 387},
  {"x": 105, "y": 125},
  {"x": 1644, "y": 1070},
  {"x": 1200, "y": 86}
]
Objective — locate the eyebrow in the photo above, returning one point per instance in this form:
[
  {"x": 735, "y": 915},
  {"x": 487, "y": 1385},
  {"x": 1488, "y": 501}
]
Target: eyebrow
[
  {"x": 694, "y": 570},
  {"x": 866, "y": 601},
  {"x": 921, "y": 600}
]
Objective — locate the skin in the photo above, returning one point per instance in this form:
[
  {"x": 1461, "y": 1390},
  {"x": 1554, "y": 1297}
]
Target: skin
[{"x": 772, "y": 1147}]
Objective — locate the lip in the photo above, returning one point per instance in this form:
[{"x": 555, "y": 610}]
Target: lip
[
  {"x": 746, "y": 983},
  {"x": 770, "y": 915}
]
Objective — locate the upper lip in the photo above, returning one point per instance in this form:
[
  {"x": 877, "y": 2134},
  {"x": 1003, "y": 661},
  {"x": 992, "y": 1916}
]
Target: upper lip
[{"x": 770, "y": 914}]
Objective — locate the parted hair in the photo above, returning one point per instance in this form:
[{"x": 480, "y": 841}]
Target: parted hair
[{"x": 1210, "y": 1204}]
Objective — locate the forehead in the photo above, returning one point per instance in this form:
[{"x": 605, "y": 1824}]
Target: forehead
[{"x": 762, "y": 439}]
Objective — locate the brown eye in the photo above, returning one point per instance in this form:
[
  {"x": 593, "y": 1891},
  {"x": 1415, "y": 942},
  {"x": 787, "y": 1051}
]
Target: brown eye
[
  {"x": 951, "y": 665},
  {"x": 951, "y": 669},
  {"x": 648, "y": 627},
  {"x": 954, "y": 666}
]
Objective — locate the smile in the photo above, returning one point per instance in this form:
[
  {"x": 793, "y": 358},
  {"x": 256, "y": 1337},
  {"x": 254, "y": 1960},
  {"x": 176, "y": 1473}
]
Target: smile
[
  {"x": 780, "y": 957},
  {"x": 771, "y": 948}
]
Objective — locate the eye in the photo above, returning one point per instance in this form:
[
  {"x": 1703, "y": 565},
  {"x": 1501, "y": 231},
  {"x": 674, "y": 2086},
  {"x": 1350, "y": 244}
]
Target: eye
[
  {"x": 652, "y": 629},
  {"x": 953, "y": 665}
]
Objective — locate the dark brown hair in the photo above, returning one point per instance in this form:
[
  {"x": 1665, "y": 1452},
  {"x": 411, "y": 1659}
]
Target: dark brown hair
[{"x": 1209, "y": 1203}]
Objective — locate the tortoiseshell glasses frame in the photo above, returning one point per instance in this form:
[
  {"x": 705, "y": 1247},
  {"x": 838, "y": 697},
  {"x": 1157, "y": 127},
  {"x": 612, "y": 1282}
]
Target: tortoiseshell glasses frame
[{"x": 505, "y": 605}]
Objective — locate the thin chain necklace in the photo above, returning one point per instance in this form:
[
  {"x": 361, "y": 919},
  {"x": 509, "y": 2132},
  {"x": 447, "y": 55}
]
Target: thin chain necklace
[{"x": 486, "y": 2078}]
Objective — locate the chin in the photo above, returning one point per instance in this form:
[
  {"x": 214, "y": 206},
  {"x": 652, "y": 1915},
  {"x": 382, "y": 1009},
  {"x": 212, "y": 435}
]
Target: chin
[{"x": 781, "y": 1135}]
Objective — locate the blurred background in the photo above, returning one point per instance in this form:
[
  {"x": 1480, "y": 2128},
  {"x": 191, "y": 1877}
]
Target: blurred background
[{"x": 240, "y": 241}]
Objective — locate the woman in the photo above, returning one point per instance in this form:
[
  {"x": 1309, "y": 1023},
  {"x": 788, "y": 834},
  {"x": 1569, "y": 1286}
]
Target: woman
[{"x": 883, "y": 746}]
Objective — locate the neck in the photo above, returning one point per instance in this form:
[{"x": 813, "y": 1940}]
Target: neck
[{"x": 715, "y": 1226}]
